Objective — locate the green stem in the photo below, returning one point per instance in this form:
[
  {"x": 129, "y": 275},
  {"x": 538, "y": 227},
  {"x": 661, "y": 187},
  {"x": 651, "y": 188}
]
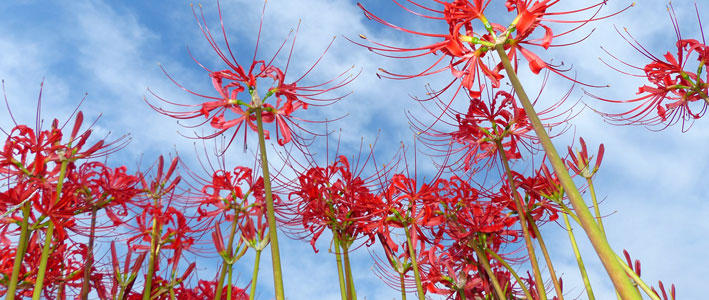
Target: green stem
[
  {"x": 403, "y": 286},
  {"x": 43, "y": 262},
  {"x": 154, "y": 250},
  {"x": 595, "y": 205},
  {"x": 521, "y": 212},
  {"x": 603, "y": 249},
  {"x": 351, "y": 291},
  {"x": 579, "y": 260},
  {"x": 462, "y": 294},
  {"x": 20, "y": 254},
  {"x": 547, "y": 258},
  {"x": 512, "y": 271},
  {"x": 482, "y": 258},
  {"x": 229, "y": 250},
  {"x": 220, "y": 283},
  {"x": 275, "y": 253},
  {"x": 49, "y": 235},
  {"x": 228, "y": 287},
  {"x": 414, "y": 264},
  {"x": 254, "y": 277},
  {"x": 340, "y": 275}
]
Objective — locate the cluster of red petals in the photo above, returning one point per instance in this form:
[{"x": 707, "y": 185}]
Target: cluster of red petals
[
  {"x": 463, "y": 59},
  {"x": 477, "y": 131},
  {"x": 334, "y": 198},
  {"x": 470, "y": 36},
  {"x": 51, "y": 176},
  {"x": 485, "y": 124},
  {"x": 226, "y": 195},
  {"x": 446, "y": 217},
  {"x": 238, "y": 101},
  {"x": 677, "y": 86},
  {"x": 457, "y": 274}
]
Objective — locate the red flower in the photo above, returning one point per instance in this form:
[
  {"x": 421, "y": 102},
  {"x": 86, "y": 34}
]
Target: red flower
[
  {"x": 465, "y": 47},
  {"x": 674, "y": 91},
  {"x": 334, "y": 198},
  {"x": 238, "y": 92},
  {"x": 465, "y": 56}
]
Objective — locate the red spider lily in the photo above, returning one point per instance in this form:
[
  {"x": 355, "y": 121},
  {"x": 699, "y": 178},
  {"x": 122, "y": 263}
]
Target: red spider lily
[
  {"x": 239, "y": 82},
  {"x": 40, "y": 162},
  {"x": 466, "y": 48},
  {"x": 64, "y": 267},
  {"x": 674, "y": 91},
  {"x": 334, "y": 198},
  {"x": 472, "y": 144},
  {"x": 466, "y": 58},
  {"x": 159, "y": 224},
  {"x": 30, "y": 263},
  {"x": 228, "y": 194},
  {"x": 530, "y": 15},
  {"x": 478, "y": 129},
  {"x": 10, "y": 202},
  {"x": 457, "y": 275},
  {"x": 580, "y": 162},
  {"x": 468, "y": 214},
  {"x": 542, "y": 193},
  {"x": 409, "y": 205},
  {"x": 485, "y": 124},
  {"x": 529, "y": 280}
]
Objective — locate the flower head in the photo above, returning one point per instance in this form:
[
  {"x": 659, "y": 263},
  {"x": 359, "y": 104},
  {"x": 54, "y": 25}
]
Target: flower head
[
  {"x": 238, "y": 102},
  {"x": 676, "y": 87}
]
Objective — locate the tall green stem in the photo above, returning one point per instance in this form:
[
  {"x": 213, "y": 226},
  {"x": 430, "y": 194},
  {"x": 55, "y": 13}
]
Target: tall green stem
[
  {"x": 20, "y": 252},
  {"x": 414, "y": 263},
  {"x": 403, "y": 286},
  {"x": 482, "y": 258},
  {"x": 229, "y": 284},
  {"x": 49, "y": 235},
  {"x": 340, "y": 275},
  {"x": 595, "y": 205},
  {"x": 547, "y": 258},
  {"x": 154, "y": 249},
  {"x": 229, "y": 251},
  {"x": 351, "y": 291},
  {"x": 521, "y": 212},
  {"x": 43, "y": 262},
  {"x": 275, "y": 253},
  {"x": 622, "y": 283},
  {"x": 254, "y": 276},
  {"x": 579, "y": 260}
]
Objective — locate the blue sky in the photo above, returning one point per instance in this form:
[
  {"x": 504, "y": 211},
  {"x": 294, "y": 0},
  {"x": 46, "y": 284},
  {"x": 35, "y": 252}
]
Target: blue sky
[{"x": 651, "y": 182}]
